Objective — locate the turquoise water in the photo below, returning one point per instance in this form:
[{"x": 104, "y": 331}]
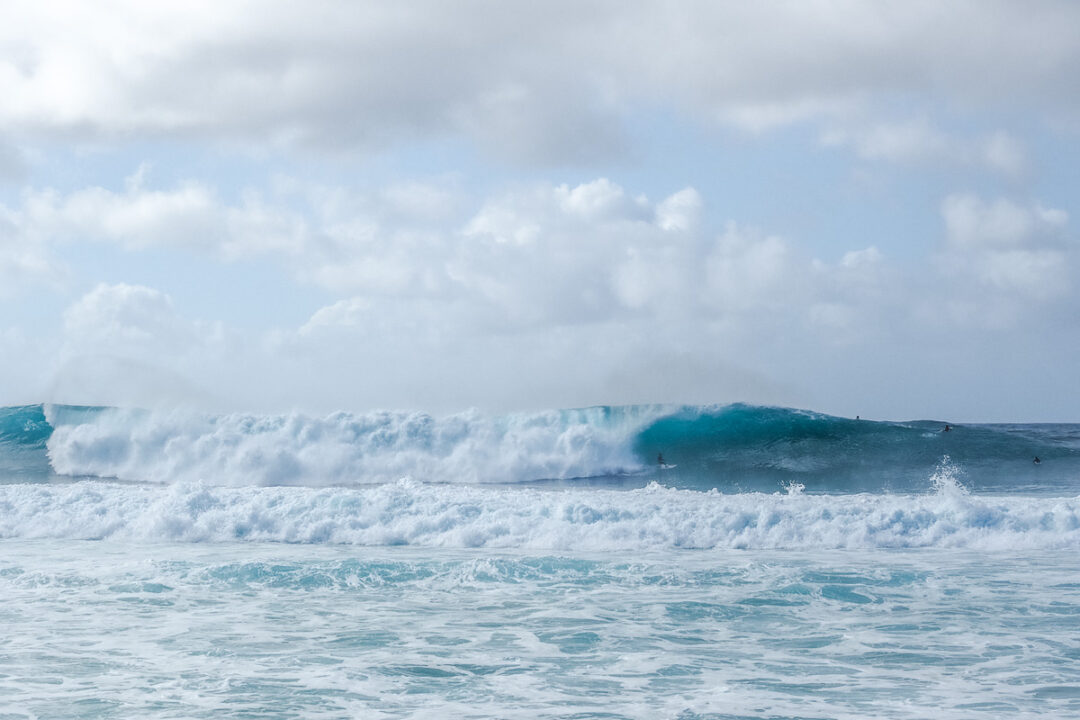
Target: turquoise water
[
  {"x": 398, "y": 565},
  {"x": 100, "y": 629}
]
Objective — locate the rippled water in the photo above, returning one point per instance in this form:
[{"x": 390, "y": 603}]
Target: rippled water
[{"x": 102, "y": 629}]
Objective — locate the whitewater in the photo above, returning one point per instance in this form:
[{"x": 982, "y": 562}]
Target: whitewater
[{"x": 779, "y": 563}]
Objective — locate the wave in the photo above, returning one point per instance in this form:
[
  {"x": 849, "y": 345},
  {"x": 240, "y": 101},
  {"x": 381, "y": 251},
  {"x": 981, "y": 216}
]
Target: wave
[
  {"x": 734, "y": 448},
  {"x": 343, "y": 448},
  {"x": 589, "y": 519}
]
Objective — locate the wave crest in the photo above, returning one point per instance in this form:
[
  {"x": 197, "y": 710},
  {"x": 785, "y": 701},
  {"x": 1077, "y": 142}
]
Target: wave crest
[
  {"x": 345, "y": 448},
  {"x": 738, "y": 448}
]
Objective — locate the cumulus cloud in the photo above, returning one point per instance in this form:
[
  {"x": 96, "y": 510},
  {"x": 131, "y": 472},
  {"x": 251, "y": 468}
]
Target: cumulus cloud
[
  {"x": 128, "y": 319},
  {"x": 1012, "y": 253},
  {"x": 340, "y": 75},
  {"x": 190, "y": 215},
  {"x": 342, "y": 240},
  {"x": 538, "y": 255},
  {"x": 680, "y": 212},
  {"x": 441, "y": 298},
  {"x": 127, "y": 344},
  {"x": 587, "y": 291},
  {"x": 747, "y": 270}
]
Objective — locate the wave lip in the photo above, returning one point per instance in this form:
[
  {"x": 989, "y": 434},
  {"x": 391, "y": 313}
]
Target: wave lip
[{"x": 411, "y": 513}]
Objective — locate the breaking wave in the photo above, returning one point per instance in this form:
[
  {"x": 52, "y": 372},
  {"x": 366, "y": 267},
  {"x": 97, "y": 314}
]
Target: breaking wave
[{"x": 734, "y": 448}]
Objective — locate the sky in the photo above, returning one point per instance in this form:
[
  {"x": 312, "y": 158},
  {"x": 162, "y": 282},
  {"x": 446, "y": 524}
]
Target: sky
[{"x": 857, "y": 208}]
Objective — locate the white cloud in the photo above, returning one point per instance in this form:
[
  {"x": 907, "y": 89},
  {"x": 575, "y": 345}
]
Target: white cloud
[
  {"x": 860, "y": 259},
  {"x": 129, "y": 320},
  {"x": 915, "y": 141},
  {"x": 680, "y": 212},
  {"x": 188, "y": 216},
  {"x": 747, "y": 271},
  {"x": 598, "y": 200},
  {"x": 973, "y": 223},
  {"x": 539, "y": 255},
  {"x": 342, "y": 314},
  {"x": 127, "y": 344},
  {"x": 441, "y": 299},
  {"x": 1017, "y": 250},
  {"x": 858, "y": 299},
  {"x": 24, "y": 260},
  {"x": 919, "y": 142},
  {"x": 544, "y": 83}
]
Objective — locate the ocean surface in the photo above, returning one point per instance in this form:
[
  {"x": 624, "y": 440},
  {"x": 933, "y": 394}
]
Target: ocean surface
[{"x": 779, "y": 563}]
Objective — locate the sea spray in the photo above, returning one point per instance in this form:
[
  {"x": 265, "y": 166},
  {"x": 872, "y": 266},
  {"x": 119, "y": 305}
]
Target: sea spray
[{"x": 346, "y": 448}]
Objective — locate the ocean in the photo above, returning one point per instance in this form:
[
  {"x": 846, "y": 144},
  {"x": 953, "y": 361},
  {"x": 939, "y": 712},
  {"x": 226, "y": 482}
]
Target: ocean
[{"x": 779, "y": 563}]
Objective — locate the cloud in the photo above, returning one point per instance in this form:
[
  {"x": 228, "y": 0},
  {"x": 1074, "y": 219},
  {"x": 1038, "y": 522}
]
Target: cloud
[
  {"x": 539, "y": 84},
  {"x": 128, "y": 319},
  {"x": 440, "y": 298},
  {"x": 538, "y": 255},
  {"x": 971, "y": 222},
  {"x": 342, "y": 314},
  {"x": 918, "y": 142},
  {"x": 24, "y": 259},
  {"x": 127, "y": 344},
  {"x": 746, "y": 270},
  {"x": 190, "y": 215},
  {"x": 681, "y": 212},
  {"x": 332, "y": 237},
  {"x": 1002, "y": 152},
  {"x": 1013, "y": 253},
  {"x": 576, "y": 294},
  {"x": 13, "y": 165}
]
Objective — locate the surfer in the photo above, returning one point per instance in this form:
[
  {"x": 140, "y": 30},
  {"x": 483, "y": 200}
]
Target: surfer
[
  {"x": 947, "y": 428},
  {"x": 1037, "y": 461},
  {"x": 660, "y": 459}
]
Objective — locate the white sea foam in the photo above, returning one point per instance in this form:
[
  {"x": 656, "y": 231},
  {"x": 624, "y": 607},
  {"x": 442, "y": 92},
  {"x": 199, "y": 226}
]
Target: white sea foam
[
  {"x": 345, "y": 448},
  {"x": 411, "y": 513},
  {"x": 287, "y": 631}
]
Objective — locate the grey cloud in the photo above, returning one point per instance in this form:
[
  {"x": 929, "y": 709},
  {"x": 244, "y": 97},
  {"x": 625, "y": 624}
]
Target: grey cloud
[
  {"x": 918, "y": 142},
  {"x": 13, "y": 164},
  {"x": 1014, "y": 254},
  {"x": 534, "y": 83}
]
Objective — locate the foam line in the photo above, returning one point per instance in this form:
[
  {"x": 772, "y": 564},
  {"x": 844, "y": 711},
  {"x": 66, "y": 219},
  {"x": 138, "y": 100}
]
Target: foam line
[{"x": 411, "y": 513}]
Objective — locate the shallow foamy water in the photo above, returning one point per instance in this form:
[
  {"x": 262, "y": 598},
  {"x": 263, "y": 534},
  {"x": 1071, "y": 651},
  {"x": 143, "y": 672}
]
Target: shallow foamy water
[{"x": 102, "y": 629}]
